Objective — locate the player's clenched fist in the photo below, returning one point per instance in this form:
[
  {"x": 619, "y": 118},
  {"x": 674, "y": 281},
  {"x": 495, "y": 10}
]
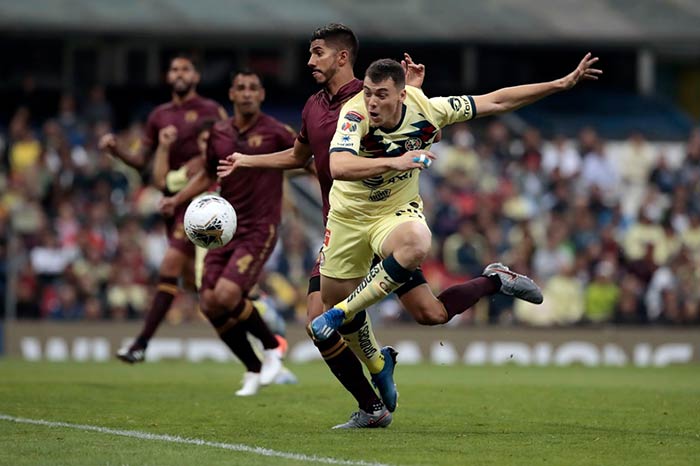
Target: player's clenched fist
[
  {"x": 107, "y": 142},
  {"x": 413, "y": 159},
  {"x": 167, "y": 135}
]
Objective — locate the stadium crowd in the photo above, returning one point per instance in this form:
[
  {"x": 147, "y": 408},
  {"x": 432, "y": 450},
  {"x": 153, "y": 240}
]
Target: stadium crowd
[{"x": 609, "y": 239}]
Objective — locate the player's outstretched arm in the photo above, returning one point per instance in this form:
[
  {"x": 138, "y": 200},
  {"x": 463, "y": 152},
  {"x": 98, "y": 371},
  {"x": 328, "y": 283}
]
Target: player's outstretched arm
[
  {"x": 108, "y": 143},
  {"x": 512, "y": 98},
  {"x": 294, "y": 157},
  {"x": 347, "y": 166}
]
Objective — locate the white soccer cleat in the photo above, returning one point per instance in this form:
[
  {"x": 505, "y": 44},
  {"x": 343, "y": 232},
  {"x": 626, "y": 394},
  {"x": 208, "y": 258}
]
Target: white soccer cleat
[
  {"x": 272, "y": 365},
  {"x": 251, "y": 384}
]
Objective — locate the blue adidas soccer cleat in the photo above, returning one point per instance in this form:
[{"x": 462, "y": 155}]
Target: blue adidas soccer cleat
[
  {"x": 323, "y": 326},
  {"x": 384, "y": 380}
]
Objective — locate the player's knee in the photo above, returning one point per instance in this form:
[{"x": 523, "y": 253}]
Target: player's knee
[
  {"x": 208, "y": 303},
  {"x": 430, "y": 315},
  {"x": 227, "y": 296},
  {"x": 415, "y": 246}
]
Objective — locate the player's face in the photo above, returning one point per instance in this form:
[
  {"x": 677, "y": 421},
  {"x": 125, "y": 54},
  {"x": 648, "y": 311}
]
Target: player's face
[
  {"x": 383, "y": 101},
  {"x": 182, "y": 76},
  {"x": 247, "y": 94},
  {"x": 323, "y": 61}
]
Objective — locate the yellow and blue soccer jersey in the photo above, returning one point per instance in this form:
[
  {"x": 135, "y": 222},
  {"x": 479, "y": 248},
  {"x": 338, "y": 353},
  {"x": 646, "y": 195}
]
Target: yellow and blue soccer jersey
[{"x": 420, "y": 122}]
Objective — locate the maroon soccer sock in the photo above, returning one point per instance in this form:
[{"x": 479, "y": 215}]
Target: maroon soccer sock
[
  {"x": 237, "y": 340},
  {"x": 166, "y": 292},
  {"x": 259, "y": 329},
  {"x": 348, "y": 370},
  {"x": 459, "y": 298}
]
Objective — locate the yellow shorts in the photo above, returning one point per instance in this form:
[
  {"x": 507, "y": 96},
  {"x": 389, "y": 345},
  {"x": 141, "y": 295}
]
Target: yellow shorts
[{"x": 350, "y": 244}]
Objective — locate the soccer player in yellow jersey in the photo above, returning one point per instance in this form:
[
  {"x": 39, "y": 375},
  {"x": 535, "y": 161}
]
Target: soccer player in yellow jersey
[{"x": 380, "y": 145}]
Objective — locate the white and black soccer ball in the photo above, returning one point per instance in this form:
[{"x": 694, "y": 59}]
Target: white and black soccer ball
[{"x": 210, "y": 221}]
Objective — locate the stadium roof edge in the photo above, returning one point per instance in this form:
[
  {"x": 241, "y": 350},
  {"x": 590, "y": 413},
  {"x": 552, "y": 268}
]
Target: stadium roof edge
[{"x": 626, "y": 21}]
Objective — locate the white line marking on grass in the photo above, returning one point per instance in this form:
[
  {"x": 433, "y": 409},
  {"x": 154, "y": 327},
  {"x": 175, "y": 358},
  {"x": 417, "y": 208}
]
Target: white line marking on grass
[{"x": 190, "y": 441}]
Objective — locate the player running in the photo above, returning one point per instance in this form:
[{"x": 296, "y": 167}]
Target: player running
[
  {"x": 184, "y": 115},
  {"x": 230, "y": 272}
]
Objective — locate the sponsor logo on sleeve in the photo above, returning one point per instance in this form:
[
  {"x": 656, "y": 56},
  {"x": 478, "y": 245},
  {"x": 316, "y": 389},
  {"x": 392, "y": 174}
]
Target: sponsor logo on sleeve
[
  {"x": 348, "y": 127},
  {"x": 345, "y": 141},
  {"x": 354, "y": 116},
  {"x": 458, "y": 102}
]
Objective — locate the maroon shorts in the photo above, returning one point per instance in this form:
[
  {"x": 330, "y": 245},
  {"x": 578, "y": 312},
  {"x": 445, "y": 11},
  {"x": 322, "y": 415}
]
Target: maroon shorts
[
  {"x": 176, "y": 232},
  {"x": 241, "y": 260}
]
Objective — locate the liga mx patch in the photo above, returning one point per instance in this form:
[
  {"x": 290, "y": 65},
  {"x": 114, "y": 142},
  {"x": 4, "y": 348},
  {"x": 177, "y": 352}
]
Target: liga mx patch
[{"x": 354, "y": 116}]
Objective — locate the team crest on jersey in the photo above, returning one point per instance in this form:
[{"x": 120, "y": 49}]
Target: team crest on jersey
[
  {"x": 191, "y": 116},
  {"x": 413, "y": 144},
  {"x": 255, "y": 140},
  {"x": 348, "y": 127},
  {"x": 354, "y": 116}
]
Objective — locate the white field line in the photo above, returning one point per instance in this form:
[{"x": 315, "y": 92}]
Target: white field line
[{"x": 190, "y": 441}]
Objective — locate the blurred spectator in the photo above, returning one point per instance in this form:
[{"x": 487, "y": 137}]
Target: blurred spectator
[{"x": 602, "y": 294}]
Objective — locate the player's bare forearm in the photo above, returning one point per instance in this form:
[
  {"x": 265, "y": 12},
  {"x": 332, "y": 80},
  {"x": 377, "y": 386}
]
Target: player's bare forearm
[
  {"x": 294, "y": 157},
  {"x": 161, "y": 166},
  {"x": 135, "y": 160},
  {"x": 512, "y": 98},
  {"x": 198, "y": 184},
  {"x": 347, "y": 166}
]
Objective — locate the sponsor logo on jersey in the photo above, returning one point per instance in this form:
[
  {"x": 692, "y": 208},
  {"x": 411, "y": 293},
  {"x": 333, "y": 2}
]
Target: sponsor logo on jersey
[
  {"x": 376, "y": 196},
  {"x": 191, "y": 116},
  {"x": 455, "y": 103},
  {"x": 374, "y": 182},
  {"x": 326, "y": 237},
  {"x": 354, "y": 116},
  {"x": 413, "y": 144}
]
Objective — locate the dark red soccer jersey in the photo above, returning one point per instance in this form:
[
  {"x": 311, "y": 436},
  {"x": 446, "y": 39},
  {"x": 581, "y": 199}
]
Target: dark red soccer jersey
[
  {"x": 187, "y": 117},
  {"x": 318, "y": 123},
  {"x": 255, "y": 193}
]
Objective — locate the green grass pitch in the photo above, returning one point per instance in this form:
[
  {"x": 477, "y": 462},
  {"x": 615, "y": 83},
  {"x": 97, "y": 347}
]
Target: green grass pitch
[{"x": 449, "y": 415}]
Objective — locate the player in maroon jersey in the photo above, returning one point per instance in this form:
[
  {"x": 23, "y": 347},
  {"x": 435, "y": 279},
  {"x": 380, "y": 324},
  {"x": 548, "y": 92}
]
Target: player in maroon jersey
[
  {"x": 256, "y": 194},
  {"x": 182, "y": 118}
]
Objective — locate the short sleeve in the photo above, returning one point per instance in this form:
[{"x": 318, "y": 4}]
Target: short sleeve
[
  {"x": 352, "y": 127},
  {"x": 448, "y": 110}
]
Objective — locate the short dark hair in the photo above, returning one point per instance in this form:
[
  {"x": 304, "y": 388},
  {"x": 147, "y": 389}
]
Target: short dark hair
[
  {"x": 246, "y": 72},
  {"x": 386, "y": 68},
  {"x": 185, "y": 56},
  {"x": 340, "y": 35}
]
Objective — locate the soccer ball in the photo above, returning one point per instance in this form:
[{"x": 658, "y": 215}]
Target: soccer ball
[{"x": 210, "y": 221}]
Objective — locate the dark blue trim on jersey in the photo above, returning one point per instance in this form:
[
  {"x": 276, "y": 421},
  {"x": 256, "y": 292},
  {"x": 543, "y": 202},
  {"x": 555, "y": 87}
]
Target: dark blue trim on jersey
[
  {"x": 471, "y": 101},
  {"x": 391, "y": 130},
  {"x": 340, "y": 149}
]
